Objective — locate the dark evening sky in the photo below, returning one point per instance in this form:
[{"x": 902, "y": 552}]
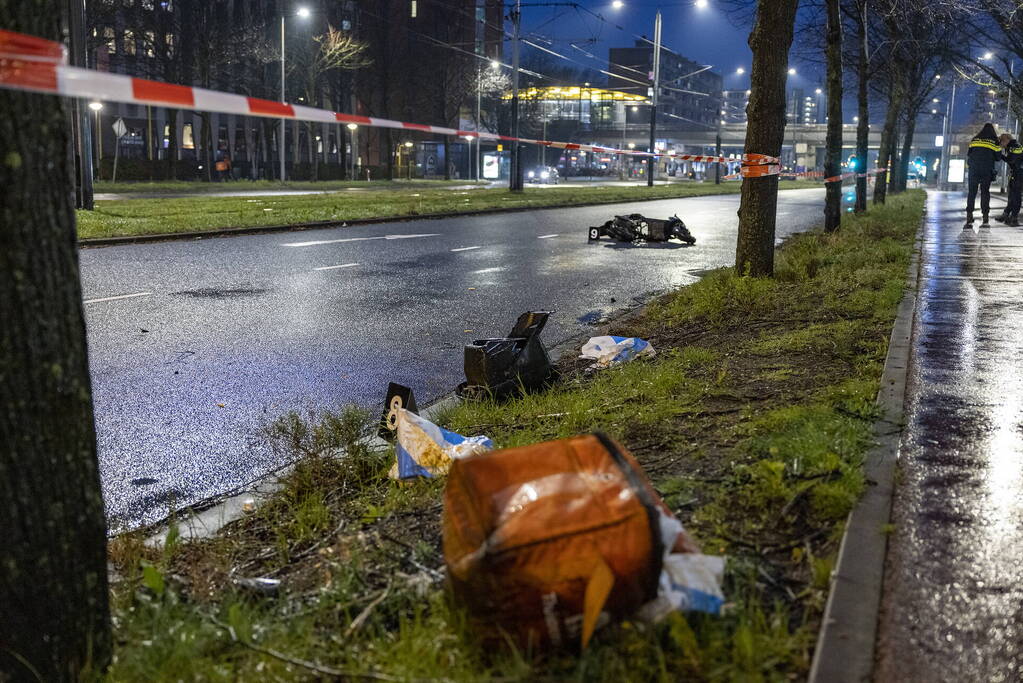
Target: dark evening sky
[
  {"x": 704, "y": 35},
  {"x": 710, "y": 35}
]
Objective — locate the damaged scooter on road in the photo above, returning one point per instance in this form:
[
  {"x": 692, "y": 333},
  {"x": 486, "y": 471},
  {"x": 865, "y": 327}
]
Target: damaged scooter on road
[{"x": 637, "y": 228}]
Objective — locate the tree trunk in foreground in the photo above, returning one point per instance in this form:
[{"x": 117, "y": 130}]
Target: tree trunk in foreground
[
  {"x": 54, "y": 614},
  {"x": 833, "y": 162},
  {"x": 863, "y": 129},
  {"x": 770, "y": 42}
]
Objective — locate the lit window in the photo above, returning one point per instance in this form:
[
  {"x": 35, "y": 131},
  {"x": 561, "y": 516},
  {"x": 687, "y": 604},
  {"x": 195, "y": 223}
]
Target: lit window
[
  {"x": 129, "y": 43},
  {"x": 111, "y": 41},
  {"x": 187, "y": 141}
]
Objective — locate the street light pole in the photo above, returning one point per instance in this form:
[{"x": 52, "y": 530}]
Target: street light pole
[
  {"x": 280, "y": 142},
  {"x": 97, "y": 107},
  {"x": 1008, "y": 108},
  {"x": 479, "y": 113},
  {"x": 515, "y": 183},
  {"x": 651, "y": 160},
  {"x": 79, "y": 116},
  {"x": 946, "y": 146}
]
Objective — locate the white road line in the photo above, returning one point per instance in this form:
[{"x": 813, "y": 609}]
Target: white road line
[
  {"x": 547, "y": 237},
  {"x": 466, "y": 248},
  {"x": 343, "y": 265},
  {"x": 116, "y": 298},
  {"x": 357, "y": 239}
]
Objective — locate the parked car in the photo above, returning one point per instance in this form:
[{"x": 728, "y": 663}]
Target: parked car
[{"x": 543, "y": 175}]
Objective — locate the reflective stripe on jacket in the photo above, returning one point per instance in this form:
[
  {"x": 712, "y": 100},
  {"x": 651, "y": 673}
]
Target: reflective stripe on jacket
[
  {"x": 1013, "y": 156},
  {"x": 982, "y": 157}
]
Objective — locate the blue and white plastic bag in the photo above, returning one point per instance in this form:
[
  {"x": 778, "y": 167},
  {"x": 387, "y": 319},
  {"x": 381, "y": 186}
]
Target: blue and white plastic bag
[
  {"x": 425, "y": 450},
  {"x": 608, "y": 351},
  {"x": 689, "y": 582}
]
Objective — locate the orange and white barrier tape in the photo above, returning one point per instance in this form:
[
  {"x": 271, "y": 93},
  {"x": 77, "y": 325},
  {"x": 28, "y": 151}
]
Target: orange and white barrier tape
[{"x": 38, "y": 65}]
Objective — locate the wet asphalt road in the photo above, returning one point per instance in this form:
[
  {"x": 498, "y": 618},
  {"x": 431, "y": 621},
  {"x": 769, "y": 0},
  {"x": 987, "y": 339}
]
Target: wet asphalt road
[
  {"x": 216, "y": 337},
  {"x": 242, "y": 189},
  {"x": 953, "y": 606}
]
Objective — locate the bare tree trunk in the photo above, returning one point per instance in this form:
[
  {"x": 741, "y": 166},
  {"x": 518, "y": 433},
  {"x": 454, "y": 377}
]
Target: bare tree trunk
[
  {"x": 770, "y": 42},
  {"x": 895, "y": 161},
  {"x": 54, "y": 614},
  {"x": 833, "y": 162},
  {"x": 907, "y": 149},
  {"x": 884, "y": 155},
  {"x": 863, "y": 129}
]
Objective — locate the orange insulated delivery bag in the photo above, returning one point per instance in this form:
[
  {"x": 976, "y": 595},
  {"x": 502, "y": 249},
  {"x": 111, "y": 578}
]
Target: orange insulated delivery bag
[{"x": 546, "y": 542}]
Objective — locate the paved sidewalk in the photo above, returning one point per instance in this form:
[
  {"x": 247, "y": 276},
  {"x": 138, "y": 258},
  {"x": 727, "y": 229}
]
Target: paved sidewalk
[{"x": 953, "y": 605}]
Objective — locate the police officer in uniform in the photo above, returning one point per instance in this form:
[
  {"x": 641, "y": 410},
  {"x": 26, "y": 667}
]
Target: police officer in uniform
[
  {"x": 1012, "y": 155},
  {"x": 984, "y": 152}
]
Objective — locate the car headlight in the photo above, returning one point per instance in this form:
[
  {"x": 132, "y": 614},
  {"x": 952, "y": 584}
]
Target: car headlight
[
  {"x": 545, "y": 175},
  {"x": 532, "y": 175}
]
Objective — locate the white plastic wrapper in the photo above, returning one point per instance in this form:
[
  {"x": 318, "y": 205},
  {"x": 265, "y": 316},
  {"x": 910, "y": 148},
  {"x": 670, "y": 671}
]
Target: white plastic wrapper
[
  {"x": 425, "y": 450},
  {"x": 689, "y": 582},
  {"x": 608, "y": 351}
]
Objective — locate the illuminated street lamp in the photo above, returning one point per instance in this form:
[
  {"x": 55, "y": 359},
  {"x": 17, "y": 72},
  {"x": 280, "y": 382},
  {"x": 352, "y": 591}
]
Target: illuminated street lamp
[
  {"x": 740, "y": 71},
  {"x": 617, "y": 4},
  {"x": 792, "y": 71}
]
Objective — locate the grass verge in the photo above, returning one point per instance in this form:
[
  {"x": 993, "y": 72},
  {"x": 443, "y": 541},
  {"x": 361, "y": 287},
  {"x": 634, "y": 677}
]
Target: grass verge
[
  {"x": 197, "y": 187},
  {"x": 752, "y": 421},
  {"x": 164, "y": 216}
]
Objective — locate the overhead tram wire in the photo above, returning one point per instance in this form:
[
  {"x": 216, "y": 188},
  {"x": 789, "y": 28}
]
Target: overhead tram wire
[{"x": 466, "y": 13}]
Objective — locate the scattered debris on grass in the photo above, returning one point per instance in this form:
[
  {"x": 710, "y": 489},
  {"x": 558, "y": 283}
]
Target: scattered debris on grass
[{"x": 751, "y": 423}]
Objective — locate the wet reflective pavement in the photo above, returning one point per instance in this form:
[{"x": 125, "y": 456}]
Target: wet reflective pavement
[{"x": 953, "y": 605}]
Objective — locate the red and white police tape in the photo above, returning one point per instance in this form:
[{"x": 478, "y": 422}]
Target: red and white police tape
[{"x": 39, "y": 65}]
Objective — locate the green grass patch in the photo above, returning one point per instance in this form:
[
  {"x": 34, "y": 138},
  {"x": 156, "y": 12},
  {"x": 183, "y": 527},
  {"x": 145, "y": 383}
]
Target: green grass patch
[
  {"x": 752, "y": 421},
  {"x": 190, "y": 214},
  {"x": 198, "y": 187}
]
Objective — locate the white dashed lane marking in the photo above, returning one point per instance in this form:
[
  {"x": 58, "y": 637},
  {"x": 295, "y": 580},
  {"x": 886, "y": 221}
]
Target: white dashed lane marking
[
  {"x": 547, "y": 237},
  {"x": 343, "y": 265},
  {"x": 358, "y": 239},
  {"x": 116, "y": 298},
  {"x": 466, "y": 248}
]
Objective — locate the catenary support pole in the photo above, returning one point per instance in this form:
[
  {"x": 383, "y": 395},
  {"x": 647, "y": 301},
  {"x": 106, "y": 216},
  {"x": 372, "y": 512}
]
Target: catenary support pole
[
  {"x": 515, "y": 183},
  {"x": 280, "y": 142},
  {"x": 652, "y": 160},
  {"x": 80, "y": 128}
]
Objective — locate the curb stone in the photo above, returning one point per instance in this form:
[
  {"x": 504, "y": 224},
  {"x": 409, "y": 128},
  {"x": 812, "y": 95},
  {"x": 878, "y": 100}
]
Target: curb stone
[
  {"x": 845, "y": 644},
  {"x": 205, "y": 518}
]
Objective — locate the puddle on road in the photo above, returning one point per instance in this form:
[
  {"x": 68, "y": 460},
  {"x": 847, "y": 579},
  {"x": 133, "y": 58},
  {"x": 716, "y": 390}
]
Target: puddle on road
[{"x": 594, "y": 318}]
